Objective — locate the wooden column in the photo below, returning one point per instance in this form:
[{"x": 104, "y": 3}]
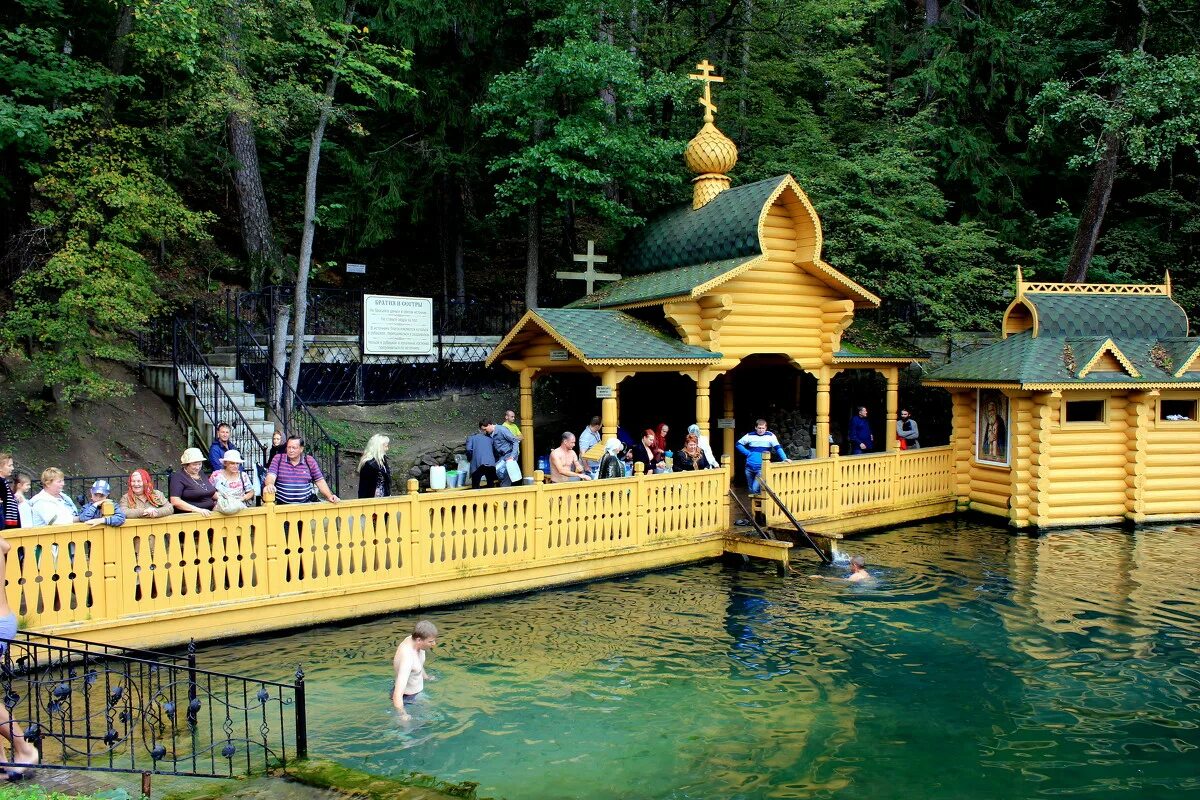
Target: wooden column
[
  {"x": 703, "y": 404},
  {"x": 962, "y": 440},
  {"x": 893, "y": 406},
  {"x": 1139, "y": 411},
  {"x": 527, "y": 460},
  {"x": 728, "y": 435},
  {"x": 824, "y": 376},
  {"x": 609, "y": 409}
]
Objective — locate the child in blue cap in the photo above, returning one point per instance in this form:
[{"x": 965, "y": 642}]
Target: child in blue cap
[{"x": 94, "y": 512}]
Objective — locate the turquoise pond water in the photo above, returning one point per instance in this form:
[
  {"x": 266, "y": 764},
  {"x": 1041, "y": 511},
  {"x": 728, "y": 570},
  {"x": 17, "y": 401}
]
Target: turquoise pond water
[{"x": 981, "y": 664}]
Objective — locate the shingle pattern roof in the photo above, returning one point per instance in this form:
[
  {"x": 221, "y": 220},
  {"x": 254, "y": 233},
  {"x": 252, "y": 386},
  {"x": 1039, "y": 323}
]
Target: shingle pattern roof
[
  {"x": 658, "y": 285},
  {"x": 1135, "y": 323},
  {"x": 724, "y": 228},
  {"x": 604, "y": 334},
  {"x": 1108, "y": 315}
]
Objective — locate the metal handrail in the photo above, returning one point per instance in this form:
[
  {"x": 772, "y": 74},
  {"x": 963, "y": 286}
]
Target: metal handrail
[
  {"x": 112, "y": 711},
  {"x": 190, "y": 362},
  {"x": 295, "y": 414}
]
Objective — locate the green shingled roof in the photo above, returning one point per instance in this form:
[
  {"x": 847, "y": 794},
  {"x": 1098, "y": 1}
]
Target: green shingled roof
[
  {"x": 1025, "y": 360},
  {"x": 606, "y": 334},
  {"x": 659, "y": 285},
  {"x": 1105, "y": 315},
  {"x": 725, "y": 228}
]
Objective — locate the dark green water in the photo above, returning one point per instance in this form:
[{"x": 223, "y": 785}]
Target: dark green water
[{"x": 979, "y": 665}]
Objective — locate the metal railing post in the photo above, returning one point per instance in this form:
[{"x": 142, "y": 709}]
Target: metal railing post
[
  {"x": 301, "y": 720},
  {"x": 191, "y": 662}
]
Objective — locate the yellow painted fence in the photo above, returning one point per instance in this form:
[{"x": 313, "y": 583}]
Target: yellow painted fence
[
  {"x": 158, "y": 582},
  {"x": 843, "y": 487}
]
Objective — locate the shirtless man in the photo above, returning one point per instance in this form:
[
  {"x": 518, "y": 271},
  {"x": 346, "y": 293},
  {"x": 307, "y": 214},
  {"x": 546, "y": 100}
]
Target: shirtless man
[
  {"x": 858, "y": 572},
  {"x": 409, "y": 664},
  {"x": 564, "y": 463},
  {"x": 22, "y": 751}
]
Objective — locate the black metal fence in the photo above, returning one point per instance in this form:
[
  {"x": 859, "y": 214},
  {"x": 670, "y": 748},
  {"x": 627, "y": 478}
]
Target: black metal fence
[
  {"x": 192, "y": 366},
  {"x": 93, "y": 707},
  {"x": 336, "y": 371}
]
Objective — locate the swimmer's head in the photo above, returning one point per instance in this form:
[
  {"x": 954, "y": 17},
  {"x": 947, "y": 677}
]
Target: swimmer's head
[
  {"x": 425, "y": 630},
  {"x": 858, "y": 561}
]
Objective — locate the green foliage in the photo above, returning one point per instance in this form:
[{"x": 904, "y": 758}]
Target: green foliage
[
  {"x": 575, "y": 123},
  {"x": 106, "y": 212}
]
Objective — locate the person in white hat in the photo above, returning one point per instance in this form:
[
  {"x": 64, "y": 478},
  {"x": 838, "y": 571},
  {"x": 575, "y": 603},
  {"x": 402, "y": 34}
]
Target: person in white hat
[
  {"x": 611, "y": 465},
  {"x": 233, "y": 490},
  {"x": 188, "y": 491},
  {"x": 102, "y": 511}
]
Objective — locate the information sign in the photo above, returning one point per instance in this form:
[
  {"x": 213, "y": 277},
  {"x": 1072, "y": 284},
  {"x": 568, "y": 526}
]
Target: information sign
[{"x": 397, "y": 326}]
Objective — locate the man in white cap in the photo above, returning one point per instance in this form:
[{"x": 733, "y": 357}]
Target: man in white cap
[{"x": 102, "y": 511}]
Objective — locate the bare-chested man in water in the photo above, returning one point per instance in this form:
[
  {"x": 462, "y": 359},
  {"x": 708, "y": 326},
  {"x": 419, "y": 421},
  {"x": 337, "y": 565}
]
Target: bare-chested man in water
[
  {"x": 409, "y": 664},
  {"x": 858, "y": 572}
]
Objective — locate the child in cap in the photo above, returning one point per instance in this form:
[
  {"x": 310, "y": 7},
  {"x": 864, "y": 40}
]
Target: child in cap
[
  {"x": 102, "y": 511},
  {"x": 233, "y": 490}
]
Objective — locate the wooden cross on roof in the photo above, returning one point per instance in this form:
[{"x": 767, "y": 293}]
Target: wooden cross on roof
[
  {"x": 589, "y": 274},
  {"x": 706, "y": 75}
]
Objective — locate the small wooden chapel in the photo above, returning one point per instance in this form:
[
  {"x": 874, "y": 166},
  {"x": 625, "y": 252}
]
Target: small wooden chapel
[
  {"x": 735, "y": 274},
  {"x": 1085, "y": 413}
]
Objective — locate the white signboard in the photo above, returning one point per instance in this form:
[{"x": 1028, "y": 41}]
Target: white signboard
[
  {"x": 606, "y": 392},
  {"x": 726, "y": 423},
  {"x": 397, "y": 326},
  {"x": 356, "y": 269},
  {"x": 560, "y": 355}
]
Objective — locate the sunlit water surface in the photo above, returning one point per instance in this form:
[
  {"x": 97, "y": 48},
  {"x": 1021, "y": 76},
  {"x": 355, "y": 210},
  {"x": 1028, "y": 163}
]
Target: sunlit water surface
[{"x": 979, "y": 665}]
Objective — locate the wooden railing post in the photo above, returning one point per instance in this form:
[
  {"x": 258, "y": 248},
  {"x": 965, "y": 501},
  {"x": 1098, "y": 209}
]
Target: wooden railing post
[
  {"x": 412, "y": 528},
  {"x": 112, "y": 608},
  {"x": 893, "y": 493},
  {"x": 276, "y": 565},
  {"x": 640, "y": 524},
  {"x": 541, "y": 513},
  {"x": 835, "y": 481},
  {"x": 727, "y": 469}
]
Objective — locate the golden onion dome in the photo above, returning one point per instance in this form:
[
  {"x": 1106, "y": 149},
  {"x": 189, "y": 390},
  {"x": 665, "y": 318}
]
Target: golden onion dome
[{"x": 711, "y": 151}]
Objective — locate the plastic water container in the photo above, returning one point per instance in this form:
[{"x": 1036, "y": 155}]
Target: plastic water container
[
  {"x": 437, "y": 477},
  {"x": 543, "y": 463},
  {"x": 453, "y": 478}
]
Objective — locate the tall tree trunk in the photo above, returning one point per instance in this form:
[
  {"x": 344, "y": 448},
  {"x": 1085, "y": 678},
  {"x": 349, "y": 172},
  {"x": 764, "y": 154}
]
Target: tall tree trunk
[
  {"x": 1092, "y": 217},
  {"x": 304, "y": 265},
  {"x": 120, "y": 45},
  {"x": 460, "y": 271},
  {"x": 258, "y": 236},
  {"x": 1129, "y": 21},
  {"x": 533, "y": 233},
  {"x": 933, "y": 12},
  {"x": 279, "y": 349}
]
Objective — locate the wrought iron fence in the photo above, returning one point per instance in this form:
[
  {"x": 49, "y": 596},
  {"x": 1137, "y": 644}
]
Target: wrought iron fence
[
  {"x": 335, "y": 370},
  {"x": 193, "y": 367},
  {"x": 88, "y": 707},
  {"x": 255, "y": 369},
  {"x": 79, "y": 487}
]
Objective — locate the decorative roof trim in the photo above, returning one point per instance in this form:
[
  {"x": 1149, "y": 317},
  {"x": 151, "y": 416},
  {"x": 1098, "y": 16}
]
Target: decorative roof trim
[
  {"x": 949, "y": 384},
  {"x": 547, "y": 328},
  {"x": 617, "y": 362},
  {"x": 741, "y": 269},
  {"x": 1084, "y": 387},
  {"x": 661, "y": 301},
  {"x": 1188, "y": 362},
  {"x": 1020, "y": 300},
  {"x": 879, "y": 359},
  {"x": 825, "y": 269},
  {"x": 1110, "y": 347},
  {"x": 1159, "y": 289}
]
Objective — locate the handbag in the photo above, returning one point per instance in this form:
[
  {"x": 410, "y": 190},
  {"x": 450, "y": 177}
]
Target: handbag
[{"x": 514, "y": 470}]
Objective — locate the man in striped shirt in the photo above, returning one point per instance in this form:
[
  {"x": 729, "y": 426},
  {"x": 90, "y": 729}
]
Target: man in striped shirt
[
  {"x": 292, "y": 475},
  {"x": 752, "y": 446}
]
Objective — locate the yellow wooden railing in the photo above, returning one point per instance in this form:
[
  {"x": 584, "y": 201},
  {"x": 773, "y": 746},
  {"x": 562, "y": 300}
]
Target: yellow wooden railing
[
  {"x": 82, "y": 578},
  {"x": 828, "y": 488}
]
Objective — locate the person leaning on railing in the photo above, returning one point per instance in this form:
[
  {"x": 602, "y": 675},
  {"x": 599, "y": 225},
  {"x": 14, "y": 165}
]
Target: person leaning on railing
[
  {"x": 50, "y": 506},
  {"x": 294, "y": 477},
  {"x": 188, "y": 491},
  {"x": 101, "y": 510},
  {"x": 142, "y": 500}
]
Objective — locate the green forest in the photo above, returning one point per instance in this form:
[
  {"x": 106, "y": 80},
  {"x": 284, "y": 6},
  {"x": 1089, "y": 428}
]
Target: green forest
[{"x": 154, "y": 151}]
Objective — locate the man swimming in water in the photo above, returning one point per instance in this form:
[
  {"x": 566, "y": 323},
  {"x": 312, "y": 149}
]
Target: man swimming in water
[
  {"x": 409, "y": 664},
  {"x": 858, "y": 572}
]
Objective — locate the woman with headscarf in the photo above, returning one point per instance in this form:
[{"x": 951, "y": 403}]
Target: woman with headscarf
[
  {"x": 142, "y": 500},
  {"x": 691, "y": 458},
  {"x": 374, "y": 473},
  {"x": 660, "y": 438},
  {"x": 611, "y": 464},
  {"x": 705, "y": 446}
]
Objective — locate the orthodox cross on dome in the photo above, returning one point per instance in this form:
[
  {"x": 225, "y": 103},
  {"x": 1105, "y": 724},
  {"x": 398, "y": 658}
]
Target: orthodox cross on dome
[
  {"x": 706, "y": 75},
  {"x": 589, "y": 274}
]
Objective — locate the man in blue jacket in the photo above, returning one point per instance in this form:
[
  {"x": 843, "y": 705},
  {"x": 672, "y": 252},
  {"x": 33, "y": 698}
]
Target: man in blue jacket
[
  {"x": 860, "y": 437},
  {"x": 752, "y": 446}
]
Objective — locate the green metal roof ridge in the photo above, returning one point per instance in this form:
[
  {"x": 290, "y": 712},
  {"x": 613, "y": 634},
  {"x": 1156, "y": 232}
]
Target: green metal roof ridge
[
  {"x": 601, "y": 334},
  {"x": 725, "y": 227},
  {"x": 659, "y": 285}
]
